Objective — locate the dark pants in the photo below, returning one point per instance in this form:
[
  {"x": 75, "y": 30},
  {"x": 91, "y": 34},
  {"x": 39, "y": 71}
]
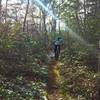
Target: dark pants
[{"x": 57, "y": 51}]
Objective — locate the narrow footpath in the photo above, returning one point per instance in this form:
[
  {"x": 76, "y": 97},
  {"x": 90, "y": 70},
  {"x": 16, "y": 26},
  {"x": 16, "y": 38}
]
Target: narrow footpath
[{"x": 54, "y": 91}]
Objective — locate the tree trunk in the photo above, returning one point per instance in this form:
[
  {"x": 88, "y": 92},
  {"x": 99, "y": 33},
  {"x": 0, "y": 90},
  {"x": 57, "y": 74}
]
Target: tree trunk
[
  {"x": 84, "y": 34},
  {"x": 44, "y": 22},
  {"x": 59, "y": 16},
  {"x": 24, "y": 23},
  {"x": 53, "y": 26},
  {"x": 44, "y": 29},
  {"x": 6, "y": 11},
  {"x": 53, "y": 20},
  {"x": 27, "y": 26},
  {"x": 0, "y": 9}
]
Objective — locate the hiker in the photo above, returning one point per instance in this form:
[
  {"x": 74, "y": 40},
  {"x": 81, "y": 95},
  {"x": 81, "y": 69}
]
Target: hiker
[{"x": 57, "y": 47}]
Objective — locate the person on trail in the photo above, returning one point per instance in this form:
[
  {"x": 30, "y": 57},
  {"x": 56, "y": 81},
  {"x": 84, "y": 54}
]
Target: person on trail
[{"x": 57, "y": 47}]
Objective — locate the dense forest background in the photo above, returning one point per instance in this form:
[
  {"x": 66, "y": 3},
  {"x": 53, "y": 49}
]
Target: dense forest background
[{"x": 27, "y": 31}]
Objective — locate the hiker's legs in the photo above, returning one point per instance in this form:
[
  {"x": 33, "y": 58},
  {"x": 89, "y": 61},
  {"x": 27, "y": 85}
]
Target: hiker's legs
[
  {"x": 55, "y": 51},
  {"x": 59, "y": 49},
  {"x": 55, "y": 48}
]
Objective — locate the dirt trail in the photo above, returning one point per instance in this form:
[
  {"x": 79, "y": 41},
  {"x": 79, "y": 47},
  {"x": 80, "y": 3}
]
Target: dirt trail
[{"x": 54, "y": 92}]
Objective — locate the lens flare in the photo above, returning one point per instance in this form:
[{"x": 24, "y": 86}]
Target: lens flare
[
  {"x": 46, "y": 9},
  {"x": 71, "y": 33}
]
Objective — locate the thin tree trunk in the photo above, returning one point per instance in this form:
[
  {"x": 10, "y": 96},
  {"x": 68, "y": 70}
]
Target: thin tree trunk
[
  {"x": 40, "y": 22},
  {"x": 54, "y": 26},
  {"x": 59, "y": 17},
  {"x": 6, "y": 11},
  {"x": 16, "y": 16},
  {"x": 44, "y": 22},
  {"x": 44, "y": 29},
  {"x": 85, "y": 20},
  {"x": 53, "y": 20},
  {"x": 0, "y": 9},
  {"x": 27, "y": 26},
  {"x": 24, "y": 23}
]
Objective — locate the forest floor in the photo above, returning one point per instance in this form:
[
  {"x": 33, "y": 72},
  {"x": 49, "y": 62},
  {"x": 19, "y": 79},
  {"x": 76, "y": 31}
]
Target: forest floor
[{"x": 54, "y": 91}]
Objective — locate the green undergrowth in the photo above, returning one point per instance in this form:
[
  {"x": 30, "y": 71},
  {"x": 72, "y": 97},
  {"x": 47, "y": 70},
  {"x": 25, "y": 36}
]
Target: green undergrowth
[
  {"x": 20, "y": 89},
  {"x": 78, "y": 83},
  {"x": 23, "y": 68}
]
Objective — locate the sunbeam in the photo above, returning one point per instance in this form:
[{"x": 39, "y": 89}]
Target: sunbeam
[
  {"x": 71, "y": 33},
  {"x": 46, "y": 9}
]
